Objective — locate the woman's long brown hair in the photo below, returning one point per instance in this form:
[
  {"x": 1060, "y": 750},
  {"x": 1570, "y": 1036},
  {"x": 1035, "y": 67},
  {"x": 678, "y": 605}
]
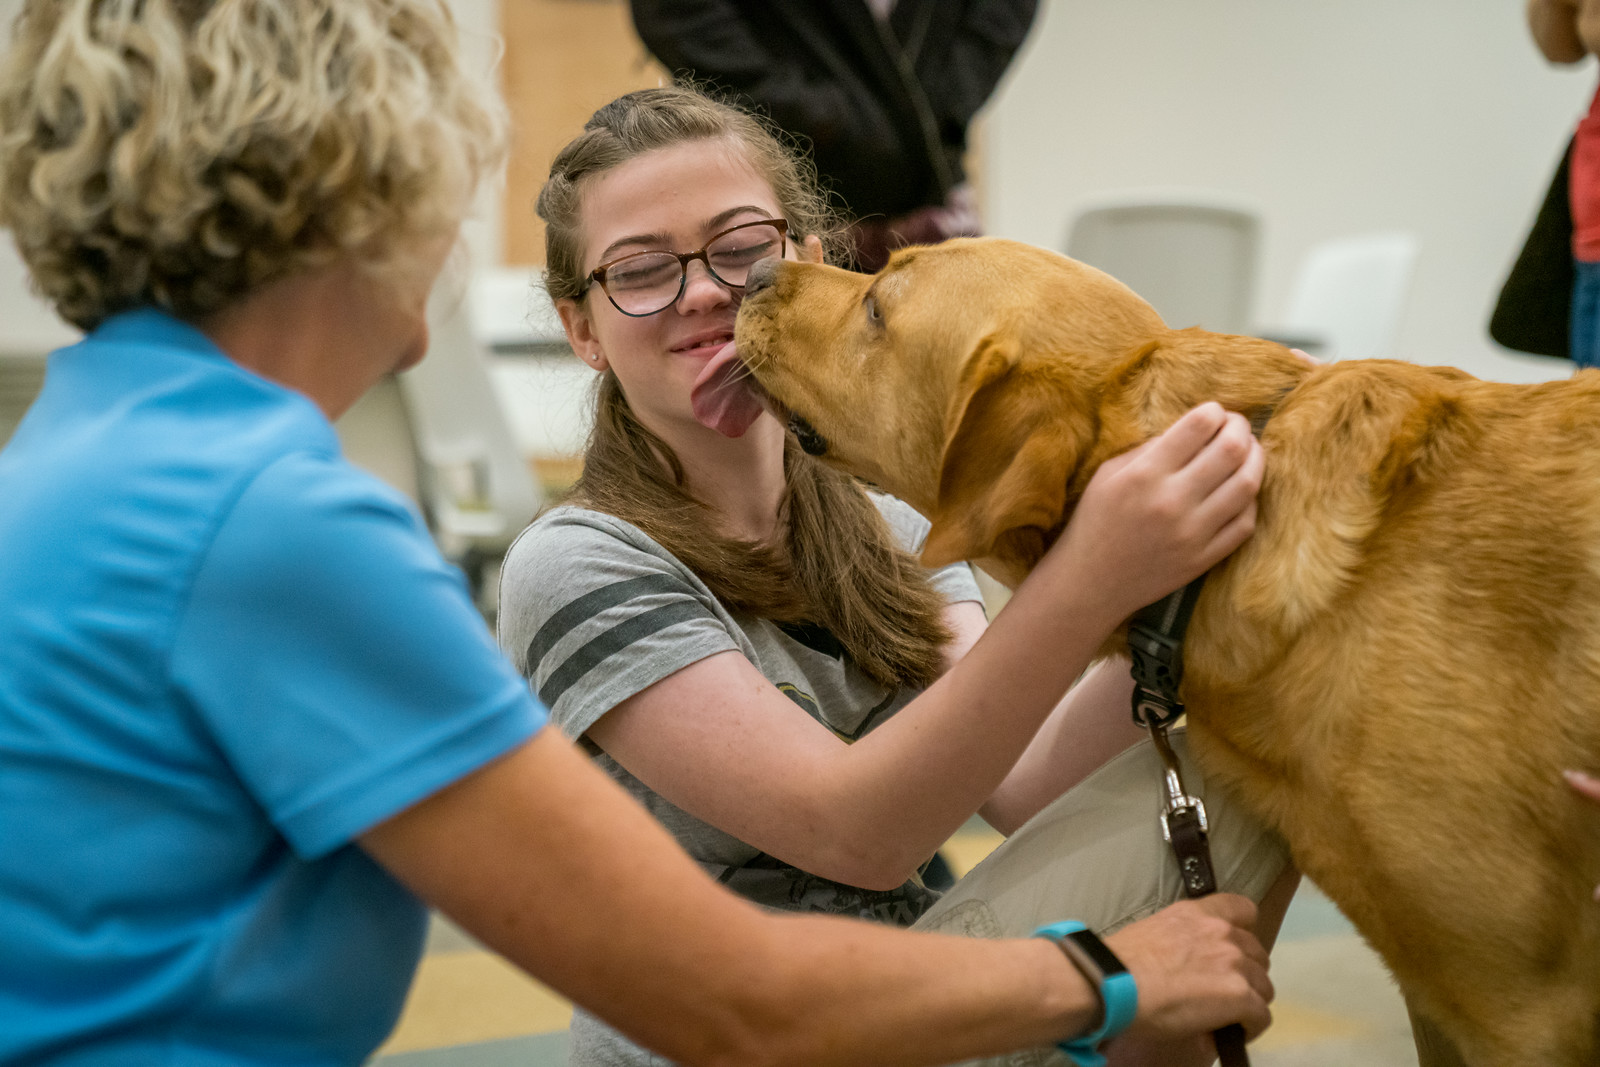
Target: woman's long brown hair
[{"x": 837, "y": 565}]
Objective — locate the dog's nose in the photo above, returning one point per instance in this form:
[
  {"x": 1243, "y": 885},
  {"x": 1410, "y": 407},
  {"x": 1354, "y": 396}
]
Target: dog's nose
[{"x": 761, "y": 276}]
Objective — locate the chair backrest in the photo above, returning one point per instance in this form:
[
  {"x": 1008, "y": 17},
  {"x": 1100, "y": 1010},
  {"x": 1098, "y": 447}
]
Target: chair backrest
[
  {"x": 512, "y": 313},
  {"x": 375, "y": 435},
  {"x": 547, "y": 392},
  {"x": 474, "y": 482},
  {"x": 1191, "y": 256},
  {"x": 1350, "y": 295}
]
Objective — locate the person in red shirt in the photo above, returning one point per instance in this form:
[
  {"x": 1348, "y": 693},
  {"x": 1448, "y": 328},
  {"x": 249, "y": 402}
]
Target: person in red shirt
[{"x": 1567, "y": 31}]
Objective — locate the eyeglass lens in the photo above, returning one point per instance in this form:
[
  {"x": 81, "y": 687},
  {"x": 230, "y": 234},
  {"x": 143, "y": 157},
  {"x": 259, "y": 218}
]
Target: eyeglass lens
[{"x": 648, "y": 282}]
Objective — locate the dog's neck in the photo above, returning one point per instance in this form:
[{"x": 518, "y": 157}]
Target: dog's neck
[
  {"x": 1135, "y": 397},
  {"x": 1152, "y": 387}
]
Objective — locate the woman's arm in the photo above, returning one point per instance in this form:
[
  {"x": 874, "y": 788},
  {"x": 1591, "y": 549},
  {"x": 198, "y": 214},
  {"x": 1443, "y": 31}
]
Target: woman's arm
[
  {"x": 550, "y": 864},
  {"x": 719, "y": 741},
  {"x": 1554, "y": 26},
  {"x": 1092, "y": 723}
]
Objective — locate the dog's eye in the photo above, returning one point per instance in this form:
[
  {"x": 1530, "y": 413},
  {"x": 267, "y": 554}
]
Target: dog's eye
[{"x": 874, "y": 313}]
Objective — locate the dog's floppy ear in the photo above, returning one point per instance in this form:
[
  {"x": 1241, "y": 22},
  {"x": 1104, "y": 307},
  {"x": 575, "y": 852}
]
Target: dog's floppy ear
[{"x": 1010, "y": 448}]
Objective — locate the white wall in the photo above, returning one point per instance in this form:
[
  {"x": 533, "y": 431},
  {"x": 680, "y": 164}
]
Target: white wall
[
  {"x": 1431, "y": 115},
  {"x": 26, "y": 323},
  {"x": 1436, "y": 116},
  {"x": 479, "y": 25}
]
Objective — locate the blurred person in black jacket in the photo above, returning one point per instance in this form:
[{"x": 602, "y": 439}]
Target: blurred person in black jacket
[{"x": 884, "y": 91}]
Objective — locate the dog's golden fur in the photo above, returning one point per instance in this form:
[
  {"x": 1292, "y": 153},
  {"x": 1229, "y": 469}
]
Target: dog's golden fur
[{"x": 1392, "y": 671}]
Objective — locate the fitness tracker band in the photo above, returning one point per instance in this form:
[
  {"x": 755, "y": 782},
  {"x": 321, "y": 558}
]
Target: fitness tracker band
[{"x": 1119, "y": 995}]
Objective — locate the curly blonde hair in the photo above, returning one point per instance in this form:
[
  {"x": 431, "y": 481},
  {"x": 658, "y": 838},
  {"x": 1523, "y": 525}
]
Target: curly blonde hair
[{"x": 181, "y": 153}]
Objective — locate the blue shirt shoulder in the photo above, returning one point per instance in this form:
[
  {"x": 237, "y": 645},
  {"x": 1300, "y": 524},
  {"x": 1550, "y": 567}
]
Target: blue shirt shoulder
[{"x": 232, "y": 654}]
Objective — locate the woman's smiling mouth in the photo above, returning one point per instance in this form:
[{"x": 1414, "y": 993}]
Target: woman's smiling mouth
[{"x": 705, "y": 344}]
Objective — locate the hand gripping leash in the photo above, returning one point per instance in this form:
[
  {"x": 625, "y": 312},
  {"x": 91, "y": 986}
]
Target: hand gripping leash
[{"x": 1155, "y": 638}]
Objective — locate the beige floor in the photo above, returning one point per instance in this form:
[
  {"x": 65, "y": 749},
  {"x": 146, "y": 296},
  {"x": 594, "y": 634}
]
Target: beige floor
[{"x": 1336, "y": 1005}]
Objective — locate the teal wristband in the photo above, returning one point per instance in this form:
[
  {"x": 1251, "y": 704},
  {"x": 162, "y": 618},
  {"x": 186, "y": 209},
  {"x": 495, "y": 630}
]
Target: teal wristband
[{"x": 1119, "y": 994}]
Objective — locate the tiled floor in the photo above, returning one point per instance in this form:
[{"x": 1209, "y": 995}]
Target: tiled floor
[{"x": 1336, "y": 1005}]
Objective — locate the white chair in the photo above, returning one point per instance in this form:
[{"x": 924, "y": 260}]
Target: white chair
[
  {"x": 375, "y": 435},
  {"x": 1349, "y": 296},
  {"x": 512, "y": 314},
  {"x": 547, "y": 392},
  {"x": 473, "y": 480},
  {"x": 1190, "y": 255}
]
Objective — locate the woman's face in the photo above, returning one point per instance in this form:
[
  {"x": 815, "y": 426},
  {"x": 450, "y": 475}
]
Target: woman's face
[{"x": 675, "y": 199}]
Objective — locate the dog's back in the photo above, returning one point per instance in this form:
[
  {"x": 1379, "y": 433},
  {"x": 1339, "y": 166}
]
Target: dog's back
[
  {"x": 1398, "y": 665},
  {"x": 1393, "y": 670}
]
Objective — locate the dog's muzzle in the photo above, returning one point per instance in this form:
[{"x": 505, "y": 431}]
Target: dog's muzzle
[{"x": 810, "y": 440}]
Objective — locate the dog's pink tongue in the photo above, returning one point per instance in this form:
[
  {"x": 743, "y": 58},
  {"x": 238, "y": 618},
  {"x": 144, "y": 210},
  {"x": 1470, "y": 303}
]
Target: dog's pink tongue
[{"x": 724, "y": 395}]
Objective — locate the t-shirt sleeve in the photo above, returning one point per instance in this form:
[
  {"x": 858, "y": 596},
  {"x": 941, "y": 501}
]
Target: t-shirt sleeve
[
  {"x": 336, "y": 659},
  {"x": 954, "y": 582},
  {"x": 593, "y": 612}
]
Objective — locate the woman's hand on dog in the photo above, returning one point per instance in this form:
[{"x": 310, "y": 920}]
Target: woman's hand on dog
[
  {"x": 1198, "y": 967},
  {"x": 1586, "y": 785},
  {"x": 1165, "y": 512}
]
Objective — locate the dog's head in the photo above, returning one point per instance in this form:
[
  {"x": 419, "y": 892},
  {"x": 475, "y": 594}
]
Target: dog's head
[{"x": 963, "y": 378}]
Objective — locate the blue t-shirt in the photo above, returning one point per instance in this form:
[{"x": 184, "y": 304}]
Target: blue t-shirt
[{"x": 224, "y": 653}]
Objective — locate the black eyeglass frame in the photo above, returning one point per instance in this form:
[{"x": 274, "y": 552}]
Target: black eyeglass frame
[{"x": 598, "y": 275}]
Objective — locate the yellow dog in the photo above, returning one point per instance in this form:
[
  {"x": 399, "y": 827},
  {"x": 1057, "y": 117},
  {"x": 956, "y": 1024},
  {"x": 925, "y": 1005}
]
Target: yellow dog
[{"x": 1391, "y": 671}]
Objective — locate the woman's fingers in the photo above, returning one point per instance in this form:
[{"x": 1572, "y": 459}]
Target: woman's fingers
[
  {"x": 1586, "y": 784},
  {"x": 1257, "y": 975},
  {"x": 1222, "y": 456},
  {"x": 1198, "y": 968},
  {"x": 1214, "y": 494},
  {"x": 1239, "y": 911},
  {"x": 1196, "y": 454},
  {"x": 1163, "y": 513},
  {"x": 1182, "y": 442},
  {"x": 1589, "y": 786},
  {"x": 1209, "y": 467},
  {"x": 1229, "y": 513}
]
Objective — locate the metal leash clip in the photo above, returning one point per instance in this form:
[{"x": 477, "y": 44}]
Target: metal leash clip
[
  {"x": 1157, "y": 670},
  {"x": 1179, "y": 802}
]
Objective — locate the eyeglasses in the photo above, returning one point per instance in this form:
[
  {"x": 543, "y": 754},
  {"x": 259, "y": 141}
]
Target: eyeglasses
[{"x": 645, "y": 283}]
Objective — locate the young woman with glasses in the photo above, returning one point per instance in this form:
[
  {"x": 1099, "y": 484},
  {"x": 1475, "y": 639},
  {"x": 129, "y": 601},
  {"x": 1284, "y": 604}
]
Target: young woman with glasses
[{"x": 744, "y": 639}]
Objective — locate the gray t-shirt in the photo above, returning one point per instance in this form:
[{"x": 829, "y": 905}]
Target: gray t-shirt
[{"x": 592, "y": 611}]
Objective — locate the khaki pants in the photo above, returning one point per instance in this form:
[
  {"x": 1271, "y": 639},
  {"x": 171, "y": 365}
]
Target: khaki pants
[{"x": 1096, "y": 855}]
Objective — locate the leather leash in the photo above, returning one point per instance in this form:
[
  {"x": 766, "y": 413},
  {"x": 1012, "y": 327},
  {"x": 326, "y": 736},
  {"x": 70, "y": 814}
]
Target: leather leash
[{"x": 1155, "y": 638}]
